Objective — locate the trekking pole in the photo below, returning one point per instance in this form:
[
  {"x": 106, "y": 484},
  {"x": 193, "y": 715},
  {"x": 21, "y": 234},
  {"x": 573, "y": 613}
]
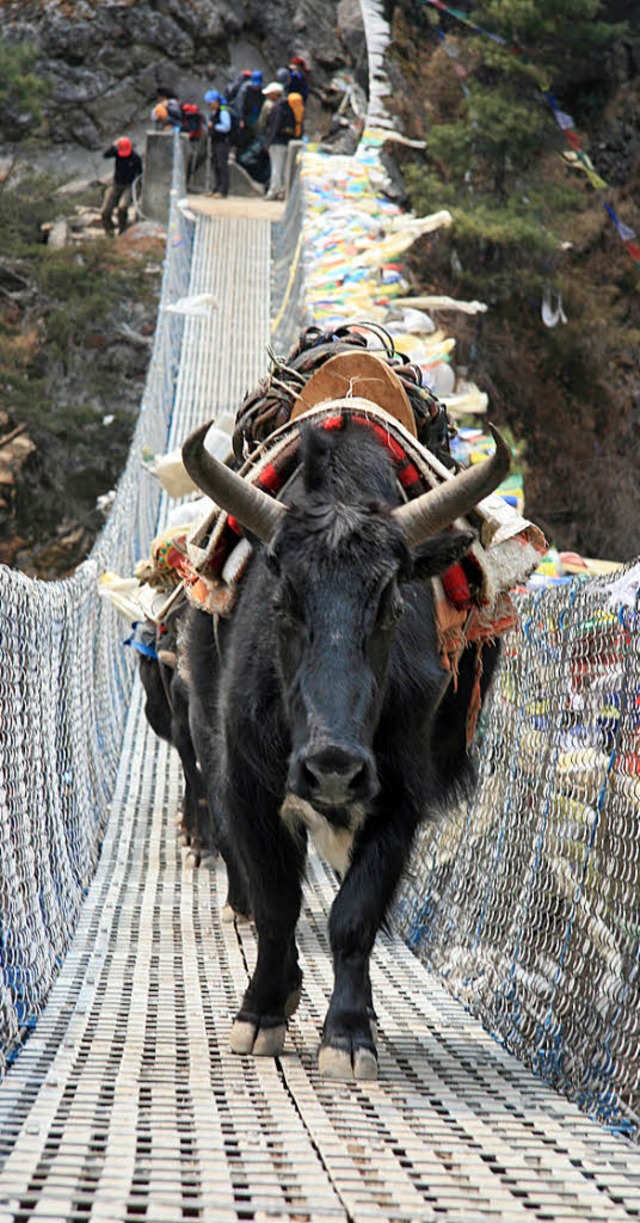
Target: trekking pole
[{"x": 207, "y": 173}]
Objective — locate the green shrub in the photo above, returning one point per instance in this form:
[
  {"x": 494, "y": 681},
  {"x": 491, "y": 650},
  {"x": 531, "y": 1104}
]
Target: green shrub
[{"x": 22, "y": 91}]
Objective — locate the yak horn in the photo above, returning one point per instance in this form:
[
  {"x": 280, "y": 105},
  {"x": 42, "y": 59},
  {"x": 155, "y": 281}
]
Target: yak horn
[
  {"x": 437, "y": 509},
  {"x": 255, "y": 510}
]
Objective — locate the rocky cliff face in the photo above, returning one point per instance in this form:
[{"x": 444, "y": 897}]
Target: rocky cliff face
[{"x": 104, "y": 60}]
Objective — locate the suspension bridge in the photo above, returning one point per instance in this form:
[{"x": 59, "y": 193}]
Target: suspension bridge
[{"x": 120, "y": 1099}]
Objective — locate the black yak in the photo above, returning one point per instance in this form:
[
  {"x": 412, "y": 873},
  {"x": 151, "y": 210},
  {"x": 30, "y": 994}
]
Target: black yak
[
  {"x": 322, "y": 706},
  {"x": 166, "y": 709},
  {"x": 167, "y": 712}
]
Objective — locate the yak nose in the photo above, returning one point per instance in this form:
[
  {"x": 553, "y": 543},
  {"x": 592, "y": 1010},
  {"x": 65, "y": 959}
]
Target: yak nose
[{"x": 334, "y": 775}]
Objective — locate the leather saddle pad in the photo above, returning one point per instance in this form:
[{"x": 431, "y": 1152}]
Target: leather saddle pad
[{"x": 360, "y": 374}]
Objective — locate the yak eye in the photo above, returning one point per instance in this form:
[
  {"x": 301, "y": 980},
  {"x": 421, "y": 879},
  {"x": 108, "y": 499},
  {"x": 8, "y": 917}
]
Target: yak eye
[{"x": 391, "y": 606}]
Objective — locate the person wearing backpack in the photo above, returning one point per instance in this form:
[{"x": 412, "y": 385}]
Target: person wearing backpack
[
  {"x": 219, "y": 141},
  {"x": 185, "y": 117},
  {"x": 167, "y": 114},
  {"x": 280, "y": 130},
  {"x": 234, "y": 86},
  {"x": 271, "y": 96},
  {"x": 247, "y": 106},
  {"x": 192, "y": 120},
  {"x": 127, "y": 171},
  {"x": 193, "y": 125},
  {"x": 168, "y": 111}
]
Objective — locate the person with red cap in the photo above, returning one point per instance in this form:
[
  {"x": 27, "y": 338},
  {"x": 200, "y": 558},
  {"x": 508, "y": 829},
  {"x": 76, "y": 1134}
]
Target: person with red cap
[
  {"x": 298, "y": 77},
  {"x": 127, "y": 171}
]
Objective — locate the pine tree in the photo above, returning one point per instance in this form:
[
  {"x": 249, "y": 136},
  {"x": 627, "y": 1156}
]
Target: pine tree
[
  {"x": 485, "y": 159},
  {"x": 22, "y": 91}
]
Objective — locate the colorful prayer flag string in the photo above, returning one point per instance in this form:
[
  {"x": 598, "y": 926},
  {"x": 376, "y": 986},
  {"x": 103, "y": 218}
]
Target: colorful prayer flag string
[
  {"x": 465, "y": 20},
  {"x": 564, "y": 121},
  {"x": 628, "y": 235},
  {"x": 566, "y": 124}
]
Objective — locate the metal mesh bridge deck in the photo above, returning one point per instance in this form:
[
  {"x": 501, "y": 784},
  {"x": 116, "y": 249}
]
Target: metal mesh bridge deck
[{"x": 126, "y": 1103}]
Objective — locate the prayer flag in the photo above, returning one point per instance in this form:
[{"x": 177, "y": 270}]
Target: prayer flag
[{"x": 625, "y": 232}]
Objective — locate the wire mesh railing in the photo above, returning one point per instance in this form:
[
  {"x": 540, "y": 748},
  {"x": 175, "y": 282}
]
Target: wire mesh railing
[
  {"x": 288, "y": 267},
  {"x": 527, "y": 902},
  {"x": 65, "y": 683}
]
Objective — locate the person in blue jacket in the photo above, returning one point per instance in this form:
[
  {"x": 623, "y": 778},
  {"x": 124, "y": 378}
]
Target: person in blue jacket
[{"x": 219, "y": 131}]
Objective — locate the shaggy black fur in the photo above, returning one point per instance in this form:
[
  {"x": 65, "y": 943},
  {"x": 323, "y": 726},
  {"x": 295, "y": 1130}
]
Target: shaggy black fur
[
  {"x": 327, "y": 683},
  {"x": 167, "y": 712}
]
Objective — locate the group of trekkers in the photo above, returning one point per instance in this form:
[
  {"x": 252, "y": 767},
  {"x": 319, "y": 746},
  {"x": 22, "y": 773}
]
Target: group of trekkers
[{"x": 251, "y": 121}]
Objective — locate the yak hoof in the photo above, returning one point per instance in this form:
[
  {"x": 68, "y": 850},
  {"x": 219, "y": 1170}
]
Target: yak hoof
[
  {"x": 339, "y": 1064},
  {"x": 261, "y": 1042},
  {"x": 242, "y": 1037},
  {"x": 365, "y": 1065},
  {"x": 270, "y": 1041}
]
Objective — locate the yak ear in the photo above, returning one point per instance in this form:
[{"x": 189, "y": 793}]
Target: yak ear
[{"x": 437, "y": 554}]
